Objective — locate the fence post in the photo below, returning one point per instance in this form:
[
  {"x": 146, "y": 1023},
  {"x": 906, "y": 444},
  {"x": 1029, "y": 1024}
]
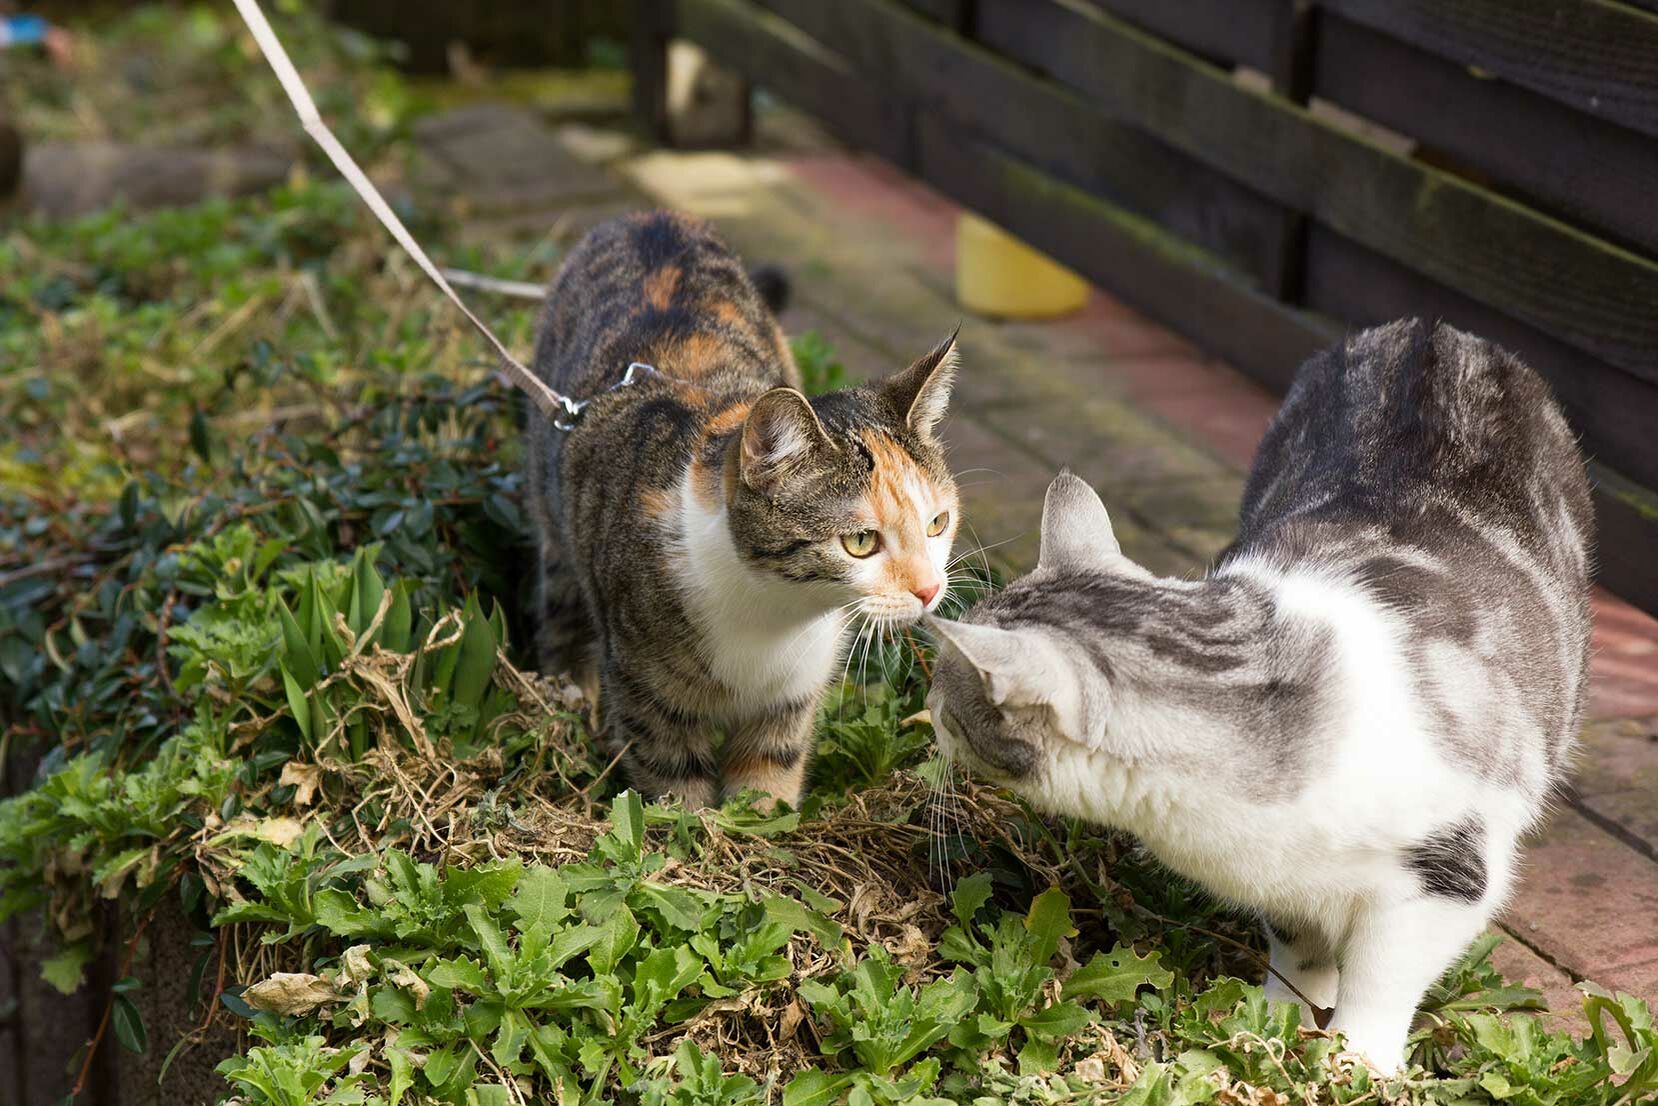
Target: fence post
[
  {"x": 653, "y": 22},
  {"x": 1293, "y": 42}
]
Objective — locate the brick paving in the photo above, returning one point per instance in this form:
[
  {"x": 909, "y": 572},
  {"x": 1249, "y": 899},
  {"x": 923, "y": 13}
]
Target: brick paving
[{"x": 1164, "y": 432}]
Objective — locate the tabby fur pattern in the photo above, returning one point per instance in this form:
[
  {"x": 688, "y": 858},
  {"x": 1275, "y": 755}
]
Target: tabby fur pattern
[{"x": 693, "y": 527}]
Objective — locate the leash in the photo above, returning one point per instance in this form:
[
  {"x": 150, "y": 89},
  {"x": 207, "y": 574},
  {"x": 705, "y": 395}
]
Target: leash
[
  {"x": 561, "y": 409},
  {"x": 573, "y": 408}
]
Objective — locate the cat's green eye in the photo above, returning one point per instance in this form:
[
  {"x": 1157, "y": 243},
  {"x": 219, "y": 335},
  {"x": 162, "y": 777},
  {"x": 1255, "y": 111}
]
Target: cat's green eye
[
  {"x": 861, "y": 544},
  {"x": 940, "y": 521}
]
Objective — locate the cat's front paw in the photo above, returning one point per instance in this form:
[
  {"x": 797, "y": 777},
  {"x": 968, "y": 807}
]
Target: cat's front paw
[
  {"x": 693, "y": 794},
  {"x": 1383, "y": 1054}
]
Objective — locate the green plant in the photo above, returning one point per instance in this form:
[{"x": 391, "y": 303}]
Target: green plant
[
  {"x": 880, "y": 1024},
  {"x": 820, "y": 370},
  {"x": 701, "y": 1082},
  {"x": 305, "y": 1072}
]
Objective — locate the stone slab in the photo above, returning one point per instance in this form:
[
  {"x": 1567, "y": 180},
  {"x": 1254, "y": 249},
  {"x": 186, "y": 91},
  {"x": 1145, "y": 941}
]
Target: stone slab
[
  {"x": 62, "y": 180},
  {"x": 1586, "y": 900},
  {"x": 1625, "y": 663},
  {"x": 1107, "y": 442},
  {"x": 1640, "y": 980},
  {"x": 1616, "y": 782},
  {"x": 1002, "y": 488},
  {"x": 1001, "y": 491},
  {"x": 496, "y": 158}
]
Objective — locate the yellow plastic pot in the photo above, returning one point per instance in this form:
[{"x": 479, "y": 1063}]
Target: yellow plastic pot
[{"x": 998, "y": 275}]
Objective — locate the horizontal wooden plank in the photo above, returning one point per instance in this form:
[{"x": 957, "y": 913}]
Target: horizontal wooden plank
[
  {"x": 1626, "y": 516},
  {"x": 1591, "y": 171},
  {"x": 1598, "y": 56},
  {"x": 785, "y": 61},
  {"x": 1589, "y": 293},
  {"x": 1156, "y": 271},
  {"x": 1241, "y": 32},
  {"x": 1612, "y": 412},
  {"x": 1626, "y": 533},
  {"x": 956, "y": 14},
  {"x": 1051, "y": 127}
]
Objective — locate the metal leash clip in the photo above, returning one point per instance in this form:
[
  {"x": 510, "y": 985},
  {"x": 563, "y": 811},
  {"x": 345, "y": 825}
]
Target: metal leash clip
[{"x": 572, "y": 408}]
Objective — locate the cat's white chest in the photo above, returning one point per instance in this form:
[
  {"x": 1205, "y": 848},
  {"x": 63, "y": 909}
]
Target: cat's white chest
[
  {"x": 766, "y": 641},
  {"x": 774, "y": 662}
]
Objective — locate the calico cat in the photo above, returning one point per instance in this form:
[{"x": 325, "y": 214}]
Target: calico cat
[
  {"x": 1349, "y": 723},
  {"x": 707, "y": 533}
]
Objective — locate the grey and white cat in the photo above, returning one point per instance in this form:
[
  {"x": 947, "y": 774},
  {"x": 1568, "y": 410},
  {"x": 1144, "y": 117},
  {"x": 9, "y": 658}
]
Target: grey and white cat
[{"x": 1349, "y": 723}]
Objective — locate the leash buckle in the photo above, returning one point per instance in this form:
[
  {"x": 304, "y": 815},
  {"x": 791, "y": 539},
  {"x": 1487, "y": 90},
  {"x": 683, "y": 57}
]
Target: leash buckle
[{"x": 572, "y": 408}]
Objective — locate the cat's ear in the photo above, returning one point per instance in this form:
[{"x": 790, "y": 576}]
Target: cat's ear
[
  {"x": 1076, "y": 529},
  {"x": 922, "y": 391},
  {"x": 1021, "y": 669},
  {"x": 780, "y": 432}
]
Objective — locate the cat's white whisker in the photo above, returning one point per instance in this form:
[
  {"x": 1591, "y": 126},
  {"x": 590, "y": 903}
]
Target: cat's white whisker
[{"x": 979, "y": 551}]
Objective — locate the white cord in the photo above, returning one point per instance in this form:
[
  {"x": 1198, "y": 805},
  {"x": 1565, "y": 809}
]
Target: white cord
[{"x": 551, "y": 403}]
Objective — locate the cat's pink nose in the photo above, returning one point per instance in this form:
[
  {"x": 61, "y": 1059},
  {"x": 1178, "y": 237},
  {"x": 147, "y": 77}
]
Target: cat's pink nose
[{"x": 925, "y": 594}]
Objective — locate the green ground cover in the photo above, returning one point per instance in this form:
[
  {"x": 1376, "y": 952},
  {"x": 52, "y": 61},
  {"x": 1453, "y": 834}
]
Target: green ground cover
[{"x": 261, "y": 544}]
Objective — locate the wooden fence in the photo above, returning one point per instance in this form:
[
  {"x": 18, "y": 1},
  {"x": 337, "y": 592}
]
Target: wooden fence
[{"x": 1262, "y": 175}]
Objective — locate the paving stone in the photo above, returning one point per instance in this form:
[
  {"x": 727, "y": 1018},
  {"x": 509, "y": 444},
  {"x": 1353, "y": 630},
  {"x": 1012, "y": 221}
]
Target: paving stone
[
  {"x": 1586, "y": 900},
  {"x": 1001, "y": 490},
  {"x": 560, "y": 228},
  {"x": 62, "y": 180},
  {"x": 1640, "y": 980},
  {"x": 1226, "y": 414},
  {"x": 869, "y": 191},
  {"x": 496, "y": 157},
  {"x": 1625, "y": 660},
  {"x": 1117, "y": 331},
  {"x": 1616, "y": 756},
  {"x": 1003, "y": 487},
  {"x": 862, "y": 360},
  {"x": 595, "y": 145},
  {"x": 1634, "y": 813},
  {"x": 1198, "y": 517},
  {"x": 689, "y": 179},
  {"x": 1616, "y": 781},
  {"x": 1106, "y": 442}
]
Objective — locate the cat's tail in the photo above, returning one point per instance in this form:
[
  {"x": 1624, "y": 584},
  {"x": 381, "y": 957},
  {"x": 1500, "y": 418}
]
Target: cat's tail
[{"x": 773, "y": 285}]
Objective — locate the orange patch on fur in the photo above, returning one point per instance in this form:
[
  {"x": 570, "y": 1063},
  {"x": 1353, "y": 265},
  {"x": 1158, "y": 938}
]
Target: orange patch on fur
[
  {"x": 908, "y": 565},
  {"x": 727, "y": 312},
  {"x": 696, "y": 355},
  {"x": 661, "y": 285},
  {"x": 764, "y": 774},
  {"x": 893, "y": 469},
  {"x": 729, "y": 419},
  {"x": 705, "y": 485},
  {"x": 658, "y": 503}
]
